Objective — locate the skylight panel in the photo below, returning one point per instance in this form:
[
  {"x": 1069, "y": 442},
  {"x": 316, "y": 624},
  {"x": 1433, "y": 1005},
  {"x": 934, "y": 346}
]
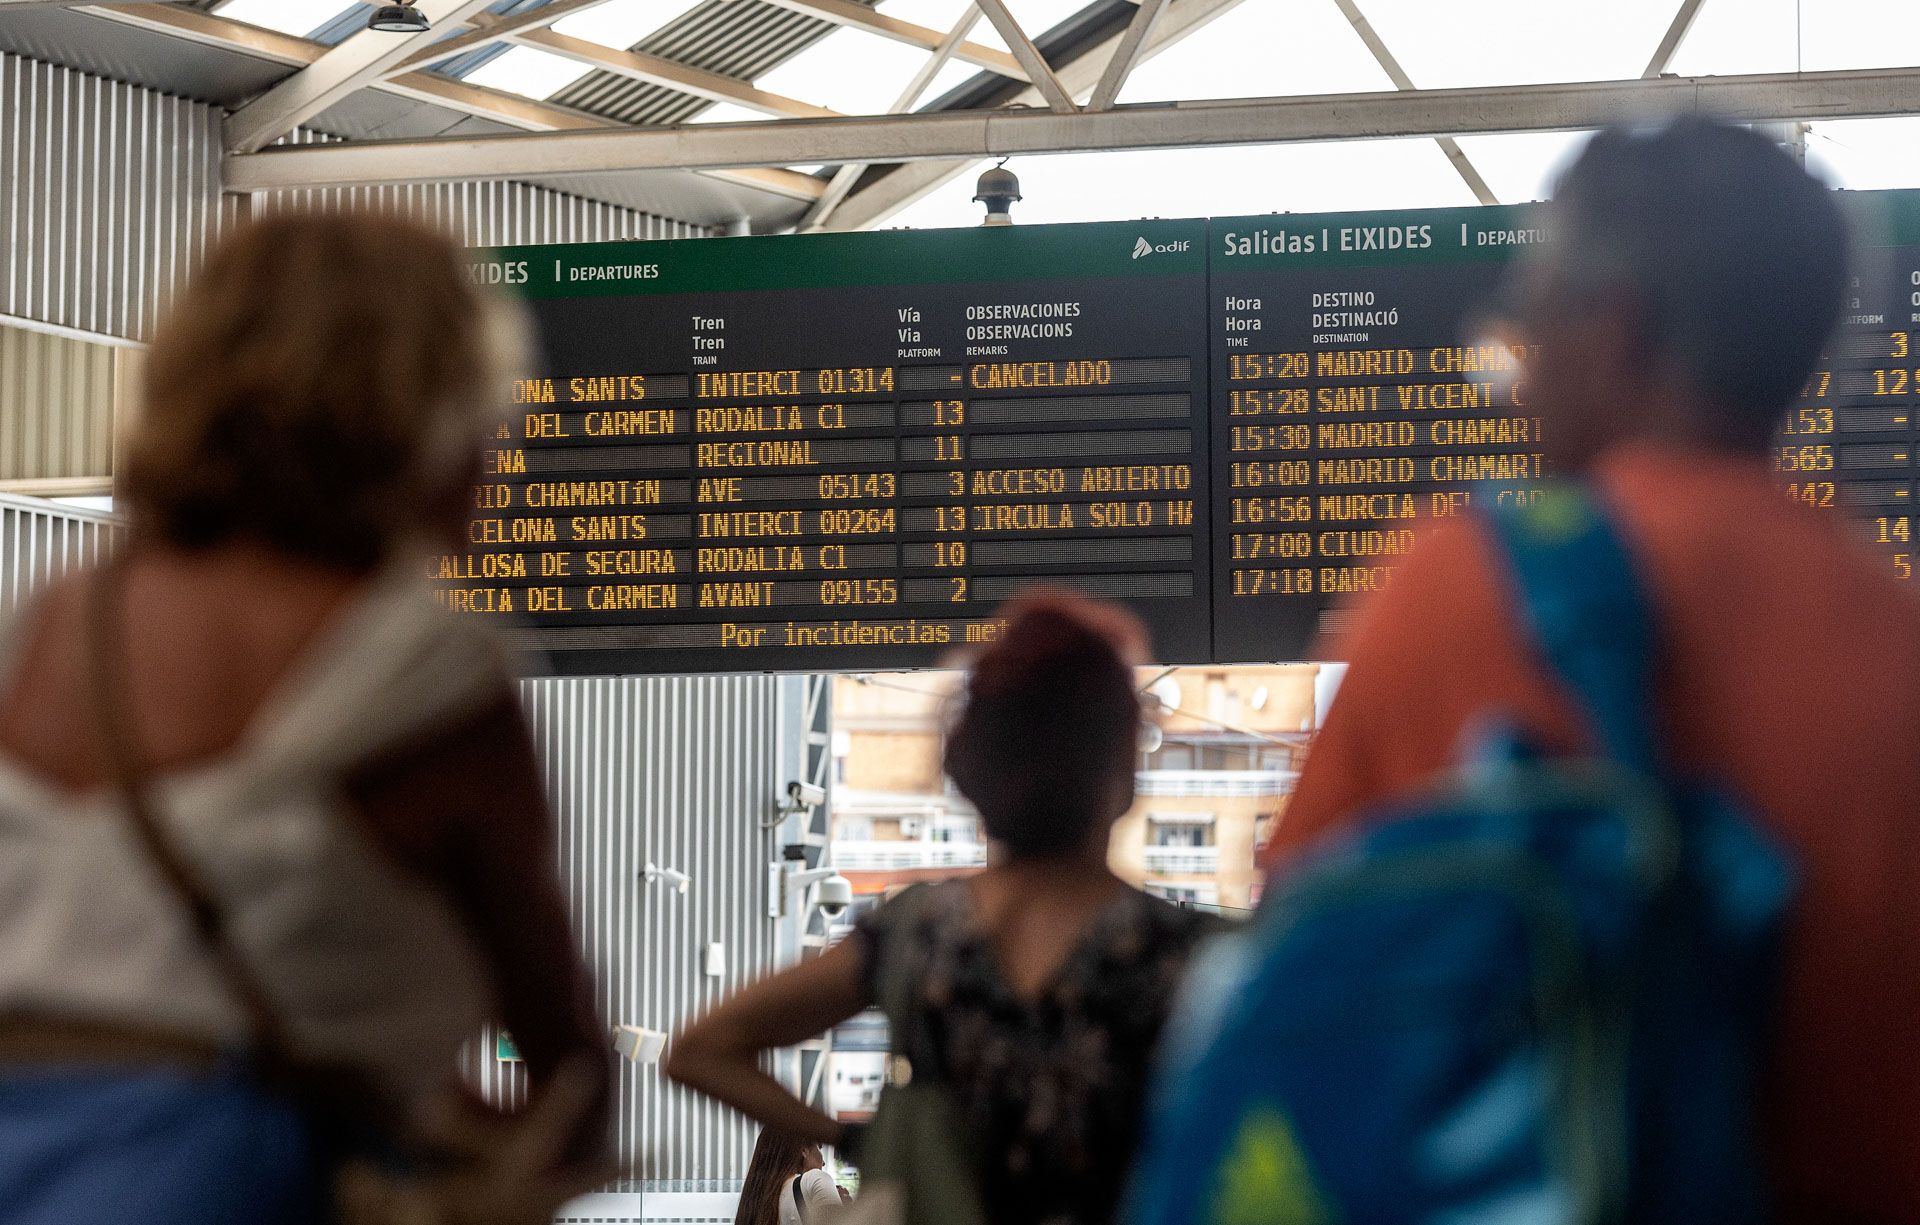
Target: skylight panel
[
  {"x": 934, "y": 14},
  {"x": 1209, "y": 182},
  {"x": 727, "y": 112},
  {"x": 1523, "y": 166},
  {"x": 1257, "y": 51},
  {"x": 621, "y": 24},
  {"x": 1036, "y": 17},
  {"x": 1866, "y": 154},
  {"x": 296, "y": 17},
  {"x": 1841, "y": 34},
  {"x": 951, "y": 76},
  {"x": 1752, "y": 36},
  {"x": 1514, "y": 42},
  {"x": 529, "y": 72},
  {"x": 849, "y": 71}
]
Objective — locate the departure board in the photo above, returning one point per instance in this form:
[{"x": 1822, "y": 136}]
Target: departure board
[
  {"x": 844, "y": 452},
  {"x": 1357, "y": 393}
]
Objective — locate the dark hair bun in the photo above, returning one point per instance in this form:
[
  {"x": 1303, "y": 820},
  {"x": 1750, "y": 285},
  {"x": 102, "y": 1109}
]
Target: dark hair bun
[{"x": 1051, "y": 722}]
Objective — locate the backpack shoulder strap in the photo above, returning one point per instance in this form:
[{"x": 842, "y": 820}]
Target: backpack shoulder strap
[
  {"x": 799, "y": 1197},
  {"x": 1587, "y": 612}
]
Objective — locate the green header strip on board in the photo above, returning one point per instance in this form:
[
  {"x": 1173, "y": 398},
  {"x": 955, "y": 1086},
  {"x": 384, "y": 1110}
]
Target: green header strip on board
[
  {"x": 1492, "y": 233},
  {"x": 1133, "y": 250},
  {"x": 1140, "y": 249}
]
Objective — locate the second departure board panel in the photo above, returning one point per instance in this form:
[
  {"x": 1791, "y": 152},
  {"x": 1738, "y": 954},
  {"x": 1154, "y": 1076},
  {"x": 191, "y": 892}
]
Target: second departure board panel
[
  {"x": 1357, "y": 393},
  {"x": 1352, "y": 401},
  {"x": 845, "y": 451}
]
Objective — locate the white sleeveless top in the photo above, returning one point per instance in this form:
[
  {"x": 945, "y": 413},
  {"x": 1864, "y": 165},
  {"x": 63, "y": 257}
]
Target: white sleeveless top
[{"x": 369, "y": 968}]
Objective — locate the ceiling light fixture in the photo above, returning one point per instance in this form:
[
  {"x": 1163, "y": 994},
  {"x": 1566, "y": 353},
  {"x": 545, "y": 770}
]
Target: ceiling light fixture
[
  {"x": 999, "y": 190},
  {"x": 400, "y": 18}
]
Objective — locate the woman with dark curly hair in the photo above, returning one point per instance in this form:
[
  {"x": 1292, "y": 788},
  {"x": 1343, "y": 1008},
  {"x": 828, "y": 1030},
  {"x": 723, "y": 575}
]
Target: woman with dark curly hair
[
  {"x": 268, "y": 813},
  {"x": 1041, "y": 984}
]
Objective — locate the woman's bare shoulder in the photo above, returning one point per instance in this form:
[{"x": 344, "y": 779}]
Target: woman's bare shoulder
[
  {"x": 202, "y": 640},
  {"x": 42, "y": 684}
]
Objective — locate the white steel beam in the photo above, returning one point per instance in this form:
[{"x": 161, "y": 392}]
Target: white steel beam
[
  {"x": 356, "y": 62},
  {"x": 531, "y": 116},
  {"x": 975, "y": 135},
  {"x": 655, "y": 70},
  {"x": 204, "y": 29},
  {"x": 493, "y": 31},
  {"x": 1120, "y": 64},
  {"x": 860, "y": 17},
  {"x": 1039, "y": 72},
  {"x": 514, "y": 110},
  {"x": 1677, "y": 31},
  {"x": 845, "y": 177},
  {"x": 1390, "y": 64}
]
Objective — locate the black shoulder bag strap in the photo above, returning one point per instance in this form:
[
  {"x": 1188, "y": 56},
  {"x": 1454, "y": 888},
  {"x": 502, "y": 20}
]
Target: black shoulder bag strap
[
  {"x": 113, "y": 724},
  {"x": 799, "y": 1200}
]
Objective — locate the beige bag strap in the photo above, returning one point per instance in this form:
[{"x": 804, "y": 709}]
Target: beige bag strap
[{"x": 119, "y": 745}]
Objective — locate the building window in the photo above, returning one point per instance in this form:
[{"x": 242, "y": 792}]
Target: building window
[
  {"x": 1172, "y": 757},
  {"x": 1186, "y": 895},
  {"x": 1180, "y": 829}
]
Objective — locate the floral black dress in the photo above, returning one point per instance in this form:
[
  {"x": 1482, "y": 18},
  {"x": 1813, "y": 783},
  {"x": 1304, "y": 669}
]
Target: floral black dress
[{"x": 1051, "y": 1088}]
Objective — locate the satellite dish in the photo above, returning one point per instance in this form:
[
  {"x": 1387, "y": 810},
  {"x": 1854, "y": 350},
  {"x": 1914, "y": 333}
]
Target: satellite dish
[
  {"x": 1166, "y": 691},
  {"x": 1151, "y": 737}
]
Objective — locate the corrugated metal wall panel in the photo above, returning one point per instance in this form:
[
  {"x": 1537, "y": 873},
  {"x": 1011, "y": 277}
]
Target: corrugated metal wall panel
[
  {"x": 677, "y": 772},
  {"x": 490, "y": 213},
  {"x": 109, "y": 194},
  {"x": 39, "y": 541},
  {"x": 56, "y": 406}
]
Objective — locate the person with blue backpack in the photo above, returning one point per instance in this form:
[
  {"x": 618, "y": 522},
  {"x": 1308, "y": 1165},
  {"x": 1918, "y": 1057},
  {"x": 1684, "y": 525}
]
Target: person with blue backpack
[{"x": 1595, "y": 898}]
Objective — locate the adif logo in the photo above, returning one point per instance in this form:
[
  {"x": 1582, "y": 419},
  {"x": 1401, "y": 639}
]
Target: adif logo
[{"x": 1142, "y": 248}]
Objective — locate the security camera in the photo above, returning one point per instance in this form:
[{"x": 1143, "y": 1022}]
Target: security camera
[
  {"x": 679, "y": 881},
  {"x": 806, "y": 795},
  {"x": 833, "y": 895},
  {"x": 832, "y": 892}
]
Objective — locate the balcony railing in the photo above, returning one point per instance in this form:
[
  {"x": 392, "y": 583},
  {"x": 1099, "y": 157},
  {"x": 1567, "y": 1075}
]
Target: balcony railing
[
  {"x": 1183, "y": 860},
  {"x": 882, "y": 856},
  {"x": 1214, "y": 782}
]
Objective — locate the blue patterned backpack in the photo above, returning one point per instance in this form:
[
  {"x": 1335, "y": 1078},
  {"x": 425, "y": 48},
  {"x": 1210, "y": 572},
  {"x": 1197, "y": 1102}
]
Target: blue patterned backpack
[{"x": 1535, "y": 993}]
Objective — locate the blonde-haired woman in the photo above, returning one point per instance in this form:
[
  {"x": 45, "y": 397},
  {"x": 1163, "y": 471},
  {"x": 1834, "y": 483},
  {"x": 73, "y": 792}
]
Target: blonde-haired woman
[{"x": 269, "y": 817}]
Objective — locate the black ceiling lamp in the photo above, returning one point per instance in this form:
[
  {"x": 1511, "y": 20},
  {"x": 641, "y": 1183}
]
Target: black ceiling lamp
[
  {"x": 999, "y": 190},
  {"x": 399, "y": 18}
]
